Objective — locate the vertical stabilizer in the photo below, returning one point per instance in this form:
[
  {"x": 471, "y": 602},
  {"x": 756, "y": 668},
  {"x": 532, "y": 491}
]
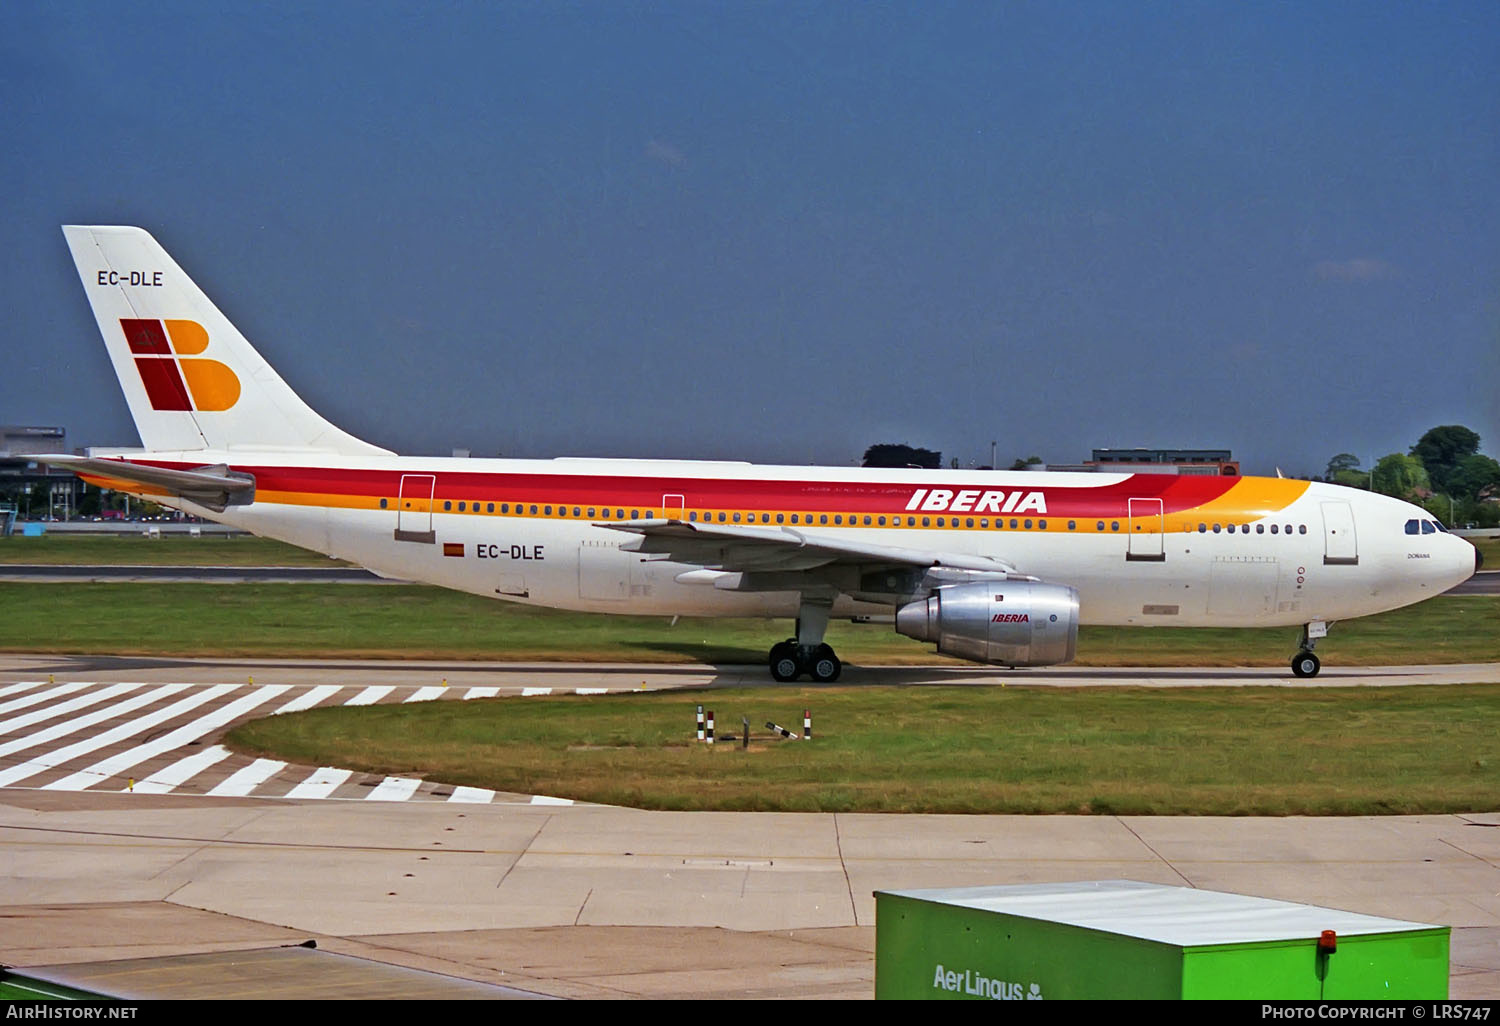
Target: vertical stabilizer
[{"x": 191, "y": 379}]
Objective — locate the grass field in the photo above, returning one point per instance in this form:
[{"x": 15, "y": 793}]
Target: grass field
[
  {"x": 1200, "y": 751},
  {"x": 411, "y": 622},
  {"x": 1489, "y": 548},
  {"x": 169, "y": 550}
]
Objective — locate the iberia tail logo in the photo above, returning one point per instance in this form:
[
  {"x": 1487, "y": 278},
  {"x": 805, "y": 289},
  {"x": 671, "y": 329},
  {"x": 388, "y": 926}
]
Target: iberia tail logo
[{"x": 165, "y": 354}]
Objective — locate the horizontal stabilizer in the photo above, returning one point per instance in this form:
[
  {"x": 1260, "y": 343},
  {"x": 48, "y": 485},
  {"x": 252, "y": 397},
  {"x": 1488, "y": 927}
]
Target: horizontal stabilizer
[{"x": 212, "y": 487}]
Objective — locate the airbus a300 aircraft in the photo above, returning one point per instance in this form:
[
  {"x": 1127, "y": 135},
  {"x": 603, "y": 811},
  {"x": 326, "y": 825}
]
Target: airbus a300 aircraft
[{"x": 993, "y": 567}]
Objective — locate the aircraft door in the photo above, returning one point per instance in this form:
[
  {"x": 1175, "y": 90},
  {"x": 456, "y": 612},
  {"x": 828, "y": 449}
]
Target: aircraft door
[
  {"x": 414, "y": 508},
  {"x": 1146, "y": 542},
  {"x": 672, "y": 506},
  {"x": 1340, "y": 545}
]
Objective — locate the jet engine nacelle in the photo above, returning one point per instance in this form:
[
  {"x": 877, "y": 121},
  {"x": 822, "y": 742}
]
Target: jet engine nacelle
[{"x": 1013, "y": 623}]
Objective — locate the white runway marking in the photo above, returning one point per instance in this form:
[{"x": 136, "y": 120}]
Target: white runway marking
[
  {"x": 528, "y": 692},
  {"x": 591, "y": 691},
  {"x": 42, "y": 696},
  {"x": 243, "y": 782},
  {"x": 541, "y": 799},
  {"x": 309, "y": 698},
  {"x": 323, "y": 782},
  {"x": 97, "y": 741},
  {"x": 72, "y": 705},
  {"x": 181, "y": 771},
  {"x": 141, "y": 726},
  {"x": 394, "y": 789},
  {"x": 117, "y": 764}
]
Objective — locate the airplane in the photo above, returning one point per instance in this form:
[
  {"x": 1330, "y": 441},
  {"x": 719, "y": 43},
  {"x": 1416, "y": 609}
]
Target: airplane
[{"x": 993, "y": 567}]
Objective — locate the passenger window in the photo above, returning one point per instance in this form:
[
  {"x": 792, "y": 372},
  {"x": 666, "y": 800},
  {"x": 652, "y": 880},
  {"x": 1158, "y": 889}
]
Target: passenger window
[
  {"x": 940, "y": 521},
  {"x": 926, "y": 521},
  {"x": 1301, "y": 528},
  {"x": 692, "y": 516},
  {"x": 619, "y": 513},
  {"x": 489, "y": 507},
  {"x": 548, "y": 510},
  {"x": 1028, "y": 525},
  {"x": 969, "y": 522},
  {"x": 593, "y": 512},
  {"x": 721, "y": 518},
  {"x": 447, "y": 505},
  {"x": 1260, "y": 528},
  {"x": 736, "y": 518},
  {"x": 1042, "y": 524},
  {"x": 1072, "y": 524},
  {"x": 881, "y": 520},
  {"x": 533, "y": 511},
  {"x": 1114, "y": 525},
  {"x": 1016, "y": 523},
  {"x": 576, "y": 511},
  {"x": 1201, "y": 528},
  {"x": 794, "y": 518},
  {"x": 635, "y": 514},
  {"x": 867, "y": 520},
  {"x": 780, "y": 519},
  {"x": 822, "y": 518},
  {"x": 1216, "y": 529}
]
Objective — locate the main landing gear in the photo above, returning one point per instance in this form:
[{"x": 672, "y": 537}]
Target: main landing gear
[
  {"x": 1304, "y": 663},
  {"x": 806, "y": 653}
]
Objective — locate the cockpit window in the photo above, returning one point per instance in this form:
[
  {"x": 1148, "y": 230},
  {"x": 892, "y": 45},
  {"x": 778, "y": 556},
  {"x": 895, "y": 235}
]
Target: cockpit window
[
  {"x": 1439, "y": 525},
  {"x": 1427, "y": 527},
  {"x": 1412, "y": 528}
]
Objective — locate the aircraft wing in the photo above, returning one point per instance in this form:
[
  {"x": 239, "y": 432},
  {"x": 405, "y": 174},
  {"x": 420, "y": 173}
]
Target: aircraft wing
[
  {"x": 214, "y": 487},
  {"x": 745, "y": 549}
]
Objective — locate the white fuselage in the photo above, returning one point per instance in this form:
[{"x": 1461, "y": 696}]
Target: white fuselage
[{"x": 1189, "y": 552}]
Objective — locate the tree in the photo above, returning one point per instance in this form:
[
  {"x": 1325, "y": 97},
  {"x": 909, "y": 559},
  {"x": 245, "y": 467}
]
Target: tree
[
  {"x": 1441, "y": 449},
  {"x": 1402, "y": 476},
  {"x": 1474, "y": 474},
  {"x": 888, "y": 454},
  {"x": 1341, "y": 463}
]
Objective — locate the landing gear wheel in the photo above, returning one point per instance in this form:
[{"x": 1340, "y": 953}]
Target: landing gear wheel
[
  {"x": 1305, "y": 664},
  {"x": 824, "y": 666},
  {"x": 785, "y": 666}
]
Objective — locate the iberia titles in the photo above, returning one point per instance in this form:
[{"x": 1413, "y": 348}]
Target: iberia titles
[{"x": 941, "y": 500}]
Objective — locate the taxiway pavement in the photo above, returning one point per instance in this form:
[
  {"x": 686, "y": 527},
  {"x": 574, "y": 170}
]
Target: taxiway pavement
[{"x": 594, "y": 901}]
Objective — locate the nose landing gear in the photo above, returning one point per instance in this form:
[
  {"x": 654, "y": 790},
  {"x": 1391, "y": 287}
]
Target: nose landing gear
[{"x": 1304, "y": 663}]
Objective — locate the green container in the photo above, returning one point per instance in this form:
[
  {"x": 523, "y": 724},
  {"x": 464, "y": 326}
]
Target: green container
[{"x": 1121, "y": 939}]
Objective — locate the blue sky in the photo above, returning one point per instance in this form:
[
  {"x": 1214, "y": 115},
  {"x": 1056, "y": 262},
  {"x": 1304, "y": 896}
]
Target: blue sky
[{"x": 782, "y": 232}]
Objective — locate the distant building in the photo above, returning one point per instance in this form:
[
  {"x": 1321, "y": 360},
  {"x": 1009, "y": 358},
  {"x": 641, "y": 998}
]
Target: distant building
[
  {"x": 25, "y": 484},
  {"x": 1211, "y": 462},
  {"x": 1208, "y": 462},
  {"x": 18, "y": 440}
]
